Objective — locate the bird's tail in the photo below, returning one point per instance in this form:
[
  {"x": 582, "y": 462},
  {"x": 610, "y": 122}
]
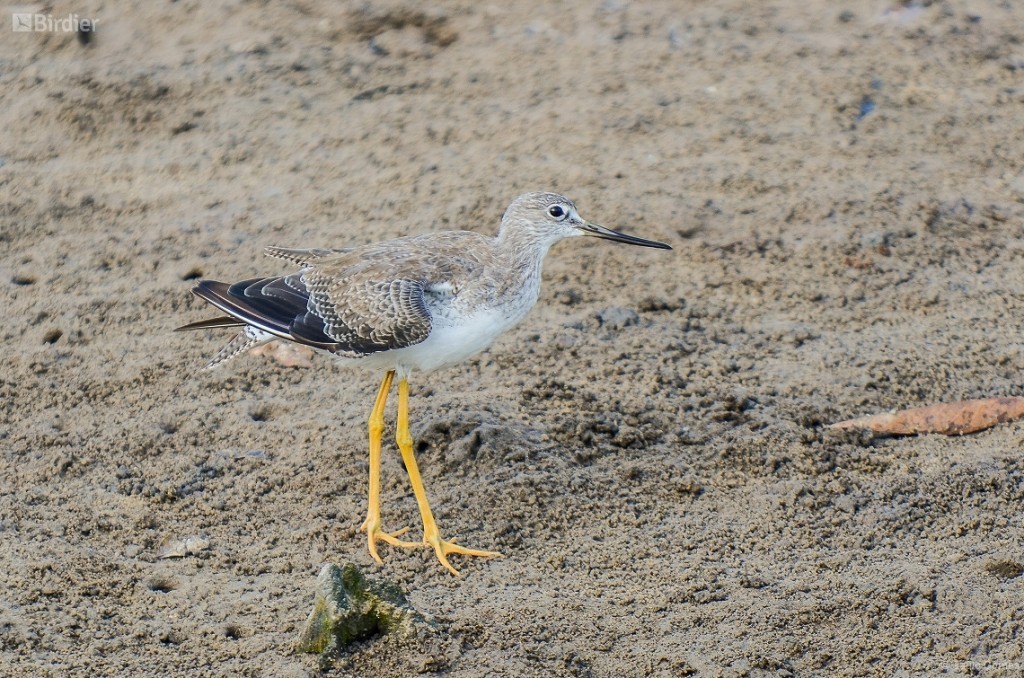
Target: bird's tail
[{"x": 247, "y": 339}]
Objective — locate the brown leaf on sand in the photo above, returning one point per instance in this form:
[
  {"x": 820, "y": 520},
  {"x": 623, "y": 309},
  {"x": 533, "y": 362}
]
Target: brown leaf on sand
[
  {"x": 288, "y": 354},
  {"x": 951, "y": 419}
]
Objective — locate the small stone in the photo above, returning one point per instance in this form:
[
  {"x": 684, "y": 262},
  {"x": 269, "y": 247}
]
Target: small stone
[
  {"x": 349, "y": 608},
  {"x": 569, "y": 297},
  {"x": 617, "y": 317},
  {"x": 564, "y": 342},
  {"x": 192, "y": 545},
  {"x": 652, "y": 304},
  {"x": 405, "y": 42},
  {"x": 1004, "y": 569}
]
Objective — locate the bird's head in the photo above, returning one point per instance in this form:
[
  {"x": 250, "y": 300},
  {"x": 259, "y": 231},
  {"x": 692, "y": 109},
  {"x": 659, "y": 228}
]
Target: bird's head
[{"x": 546, "y": 218}]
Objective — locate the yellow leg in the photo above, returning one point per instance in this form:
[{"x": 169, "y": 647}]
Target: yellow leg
[
  {"x": 431, "y": 536},
  {"x": 371, "y": 526}
]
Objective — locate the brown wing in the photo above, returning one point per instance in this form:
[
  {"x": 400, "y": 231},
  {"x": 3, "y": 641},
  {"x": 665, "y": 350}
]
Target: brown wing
[
  {"x": 352, "y": 302},
  {"x": 374, "y": 298},
  {"x": 367, "y": 315},
  {"x": 380, "y": 318}
]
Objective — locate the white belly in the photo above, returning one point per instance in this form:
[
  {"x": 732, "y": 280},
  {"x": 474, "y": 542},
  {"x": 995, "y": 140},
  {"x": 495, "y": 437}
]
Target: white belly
[{"x": 449, "y": 343}]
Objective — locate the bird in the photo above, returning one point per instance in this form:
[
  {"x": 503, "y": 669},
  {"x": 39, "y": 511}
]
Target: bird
[{"x": 406, "y": 306}]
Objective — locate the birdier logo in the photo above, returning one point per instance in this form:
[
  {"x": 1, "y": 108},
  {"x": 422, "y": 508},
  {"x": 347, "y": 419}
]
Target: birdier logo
[{"x": 29, "y": 22}]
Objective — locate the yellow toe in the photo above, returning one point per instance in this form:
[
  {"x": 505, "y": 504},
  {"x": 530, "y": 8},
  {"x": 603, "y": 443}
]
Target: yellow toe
[
  {"x": 443, "y": 548},
  {"x": 375, "y": 534}
]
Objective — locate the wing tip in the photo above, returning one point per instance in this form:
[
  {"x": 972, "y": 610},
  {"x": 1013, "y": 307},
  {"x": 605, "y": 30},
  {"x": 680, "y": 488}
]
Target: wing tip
[
  {"x": 211, "y": 324},
  {"x": 205, "y": 287}
]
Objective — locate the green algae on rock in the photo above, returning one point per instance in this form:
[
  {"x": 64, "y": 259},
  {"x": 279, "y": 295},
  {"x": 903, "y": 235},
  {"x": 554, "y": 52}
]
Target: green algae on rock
[{"x": 348, "y": 608}]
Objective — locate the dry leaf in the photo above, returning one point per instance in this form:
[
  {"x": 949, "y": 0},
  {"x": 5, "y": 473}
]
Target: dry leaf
[
  {"x": 966, "y": 416},
  {"x": 286, "y": 353}
]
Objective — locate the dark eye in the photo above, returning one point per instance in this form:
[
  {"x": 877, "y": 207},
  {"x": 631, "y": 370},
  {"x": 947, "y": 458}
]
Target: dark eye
[{"x": 557, "y": 211}]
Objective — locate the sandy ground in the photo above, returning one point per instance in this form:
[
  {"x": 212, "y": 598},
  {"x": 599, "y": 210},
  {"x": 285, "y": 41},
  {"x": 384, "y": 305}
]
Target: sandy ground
[{"x": 844, "y": 190}]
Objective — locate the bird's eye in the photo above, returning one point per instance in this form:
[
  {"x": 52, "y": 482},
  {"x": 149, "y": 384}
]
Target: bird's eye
[{"x": 557, "y": 211}]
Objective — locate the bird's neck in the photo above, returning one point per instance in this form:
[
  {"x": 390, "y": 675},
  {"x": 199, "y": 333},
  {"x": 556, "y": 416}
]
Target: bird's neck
[
  {"x": 516, "y": 242},
  {"x": 521, "y": 256},
  {"x": 521, "y": 250}
]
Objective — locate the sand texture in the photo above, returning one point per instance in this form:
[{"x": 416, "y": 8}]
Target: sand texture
[{"x": 843, "y": 186}]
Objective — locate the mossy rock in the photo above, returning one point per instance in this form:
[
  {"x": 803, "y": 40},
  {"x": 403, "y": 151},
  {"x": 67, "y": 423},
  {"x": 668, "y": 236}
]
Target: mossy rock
[{"x": 348, "y": 608}]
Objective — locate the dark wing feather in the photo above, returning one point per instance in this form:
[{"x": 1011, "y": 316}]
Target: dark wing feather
[
  {"x": 269, "y": 304},
  {"x": 300, "y": 308},
  {"x": 211, "y": 324}
]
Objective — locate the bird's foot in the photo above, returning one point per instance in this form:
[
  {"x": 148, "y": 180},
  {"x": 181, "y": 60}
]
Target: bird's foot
[
  {"x": 444, "y": 547},
  {"x": 371, "y": 526}
]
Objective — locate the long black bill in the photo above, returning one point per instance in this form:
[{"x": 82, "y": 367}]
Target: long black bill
[{"x": 609, "y": 234}]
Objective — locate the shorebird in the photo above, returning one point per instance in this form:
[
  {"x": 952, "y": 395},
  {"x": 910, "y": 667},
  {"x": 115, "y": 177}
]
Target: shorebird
[{"x": 408, "y": 305}]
